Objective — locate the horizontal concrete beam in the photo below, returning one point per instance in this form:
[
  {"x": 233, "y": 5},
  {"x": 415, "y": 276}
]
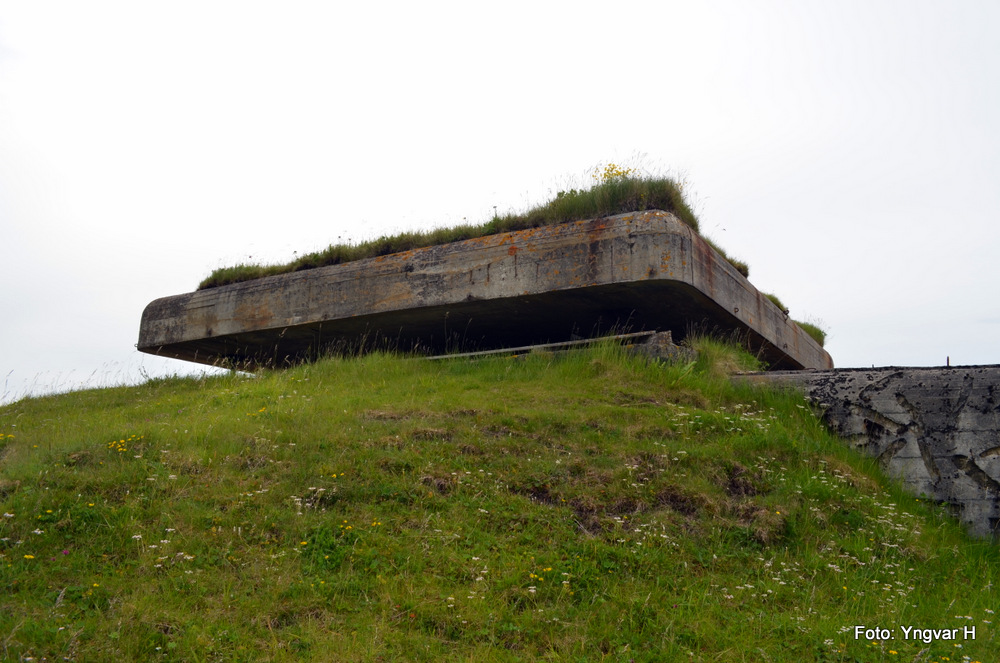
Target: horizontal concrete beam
[{"x": 631, "y": 272}]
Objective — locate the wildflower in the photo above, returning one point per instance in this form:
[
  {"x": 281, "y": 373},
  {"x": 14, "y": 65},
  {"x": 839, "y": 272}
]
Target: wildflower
[{"x": 29, "y": 557}]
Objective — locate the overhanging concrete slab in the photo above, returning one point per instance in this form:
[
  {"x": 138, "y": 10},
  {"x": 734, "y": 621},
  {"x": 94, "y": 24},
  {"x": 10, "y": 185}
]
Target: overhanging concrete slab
[{"x": 631, "y": 272}]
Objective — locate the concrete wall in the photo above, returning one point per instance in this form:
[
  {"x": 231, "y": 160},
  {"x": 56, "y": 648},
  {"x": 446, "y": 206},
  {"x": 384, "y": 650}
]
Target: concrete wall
[{"x": 936, "y": 429}]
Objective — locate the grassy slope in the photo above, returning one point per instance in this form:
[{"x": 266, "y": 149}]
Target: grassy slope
[{"x": 580, "y": 508}]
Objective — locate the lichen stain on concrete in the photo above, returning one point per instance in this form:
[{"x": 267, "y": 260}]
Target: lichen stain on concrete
[{"x": 256, "y": 314}]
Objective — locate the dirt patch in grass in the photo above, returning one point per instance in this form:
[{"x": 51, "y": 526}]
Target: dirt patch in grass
[
  {"x": 679, "y": 500},
  {"x": 429, "y": 434}
]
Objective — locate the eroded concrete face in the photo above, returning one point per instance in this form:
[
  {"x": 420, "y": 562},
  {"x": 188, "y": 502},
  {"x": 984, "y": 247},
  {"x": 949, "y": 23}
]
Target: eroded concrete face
[
  {"x": 632, "y": 272},
  {"x": 935, "y": 429}
]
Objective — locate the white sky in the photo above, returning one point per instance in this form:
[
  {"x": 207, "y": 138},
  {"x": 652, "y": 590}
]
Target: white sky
[{"x": 849, "y": 151}]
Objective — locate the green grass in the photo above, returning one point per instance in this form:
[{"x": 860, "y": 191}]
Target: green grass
[
  {"x": 618, "y": 192},
  {"x": 777, "y": 302},
  {"x": 816, "y": 332},
  {"x": 580, "y": 507}
]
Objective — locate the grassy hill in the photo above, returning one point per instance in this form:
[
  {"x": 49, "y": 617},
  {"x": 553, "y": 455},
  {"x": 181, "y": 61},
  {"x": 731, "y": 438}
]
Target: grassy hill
[{"x": 584, "y": 507}]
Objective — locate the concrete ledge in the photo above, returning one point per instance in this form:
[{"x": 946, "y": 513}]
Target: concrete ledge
[{"x": 631, "y": 272}]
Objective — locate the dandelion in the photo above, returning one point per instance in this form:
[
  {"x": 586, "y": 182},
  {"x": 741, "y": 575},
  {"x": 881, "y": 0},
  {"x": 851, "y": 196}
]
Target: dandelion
[{"x": 29, "y": 557}]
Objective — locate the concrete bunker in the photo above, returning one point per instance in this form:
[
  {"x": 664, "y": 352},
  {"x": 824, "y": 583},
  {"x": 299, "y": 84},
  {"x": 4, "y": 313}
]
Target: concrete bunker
[{"x": 641, "y": 271}]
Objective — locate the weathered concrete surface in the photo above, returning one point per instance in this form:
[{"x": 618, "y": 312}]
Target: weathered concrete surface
[
  {"x": 640, "y": 271},
  {"x": 936, "y": 429}
]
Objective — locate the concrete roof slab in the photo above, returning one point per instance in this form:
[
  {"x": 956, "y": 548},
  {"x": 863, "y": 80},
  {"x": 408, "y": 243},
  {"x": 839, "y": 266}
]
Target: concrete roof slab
[{"x": 630, "y": 272}]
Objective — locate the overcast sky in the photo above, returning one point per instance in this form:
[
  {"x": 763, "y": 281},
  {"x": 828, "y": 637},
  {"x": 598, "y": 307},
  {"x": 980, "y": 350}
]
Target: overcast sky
[{"x": 849, "y": 151}]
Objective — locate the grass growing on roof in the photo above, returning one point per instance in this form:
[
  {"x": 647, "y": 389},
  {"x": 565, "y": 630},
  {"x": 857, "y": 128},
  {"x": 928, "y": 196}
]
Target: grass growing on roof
[
  {"x": 814, "y": 331},
  {"x": 777, "y": 302},
  {"x": 581, "y": 507},
  {"x": 817, "y": 333},
  {"x": 617, "y": 190}
]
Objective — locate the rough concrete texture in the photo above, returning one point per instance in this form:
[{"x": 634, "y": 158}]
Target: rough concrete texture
[
  {"x": 661, "y": 347},
  {"x": 631, "y": 272},
  {"x": 936, "y": 429}
]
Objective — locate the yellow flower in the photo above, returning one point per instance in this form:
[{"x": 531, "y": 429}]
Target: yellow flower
[{"x": 29, "y": 557}]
